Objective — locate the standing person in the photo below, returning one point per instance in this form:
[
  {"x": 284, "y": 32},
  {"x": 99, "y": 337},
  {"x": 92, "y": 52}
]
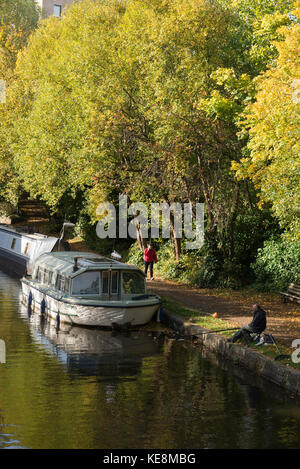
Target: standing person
[
  {"x": 257, "y": 325},
  {"x": 149, "y": 259}
]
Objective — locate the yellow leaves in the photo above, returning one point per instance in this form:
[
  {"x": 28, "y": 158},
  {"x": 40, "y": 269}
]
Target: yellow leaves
[
  {"x": 274, "y": 122},
  {"x": 296, "y": 11}
]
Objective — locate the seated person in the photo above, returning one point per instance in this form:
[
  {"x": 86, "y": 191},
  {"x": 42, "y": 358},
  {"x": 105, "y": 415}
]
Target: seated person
[{"x": 256, "y": 326}]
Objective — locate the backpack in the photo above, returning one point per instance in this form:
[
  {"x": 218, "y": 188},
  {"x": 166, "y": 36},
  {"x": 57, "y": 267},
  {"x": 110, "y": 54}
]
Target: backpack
[{"x": 266, "y": 339}]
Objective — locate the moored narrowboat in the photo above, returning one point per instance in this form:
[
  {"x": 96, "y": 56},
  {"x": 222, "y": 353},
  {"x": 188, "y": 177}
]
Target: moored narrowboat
[
  {"x": 86, "y": 289},
  {"x": 18, "y": 250}
]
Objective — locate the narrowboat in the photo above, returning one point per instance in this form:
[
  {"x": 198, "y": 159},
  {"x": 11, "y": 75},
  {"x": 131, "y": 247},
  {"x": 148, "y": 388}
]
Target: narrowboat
[
  {"x": 86, "y": 289},
  {"x": 18, "y": 250}
]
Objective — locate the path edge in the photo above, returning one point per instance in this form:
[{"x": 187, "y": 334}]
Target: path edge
[{"x": 262, "y": 366}]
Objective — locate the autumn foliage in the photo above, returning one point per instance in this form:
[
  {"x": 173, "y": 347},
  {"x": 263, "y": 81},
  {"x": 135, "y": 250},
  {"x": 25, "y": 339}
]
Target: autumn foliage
[{"x": 178, "y": 100}]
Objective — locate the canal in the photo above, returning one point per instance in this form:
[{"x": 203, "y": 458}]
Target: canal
[{"x": 84, "y": 388}]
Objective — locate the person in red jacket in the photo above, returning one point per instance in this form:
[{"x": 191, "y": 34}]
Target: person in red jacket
[{"x": 149, "y": 259}]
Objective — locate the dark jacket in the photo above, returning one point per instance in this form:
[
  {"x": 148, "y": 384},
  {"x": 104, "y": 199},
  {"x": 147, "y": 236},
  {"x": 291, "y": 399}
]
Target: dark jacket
[{"x": 259, "y": 322}]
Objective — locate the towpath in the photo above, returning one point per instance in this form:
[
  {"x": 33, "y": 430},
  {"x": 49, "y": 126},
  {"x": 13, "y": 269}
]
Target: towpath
[
  {"x": 283, "y": 320},
  {"x": 234, "y": 306}
]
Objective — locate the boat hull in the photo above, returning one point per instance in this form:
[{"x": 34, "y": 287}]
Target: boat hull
[
  {"x": 136, "y": 313},
  {"x": 13, "y": 264}
]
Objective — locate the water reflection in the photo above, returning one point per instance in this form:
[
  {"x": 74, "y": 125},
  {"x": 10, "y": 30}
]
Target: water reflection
[
  {"x": 84, "y": 388},
  {"x": 93, "y": 352}
]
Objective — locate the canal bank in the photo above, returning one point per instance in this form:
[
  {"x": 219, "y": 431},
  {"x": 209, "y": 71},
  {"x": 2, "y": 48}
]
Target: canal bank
[
  {"x": 238, "y": 355},
  {"x": 231, "y": 306}
]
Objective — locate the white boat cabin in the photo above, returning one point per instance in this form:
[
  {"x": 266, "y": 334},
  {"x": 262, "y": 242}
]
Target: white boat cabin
[
  {"x": 88, "y": 276},
  {"x": 18, "y": 250}
]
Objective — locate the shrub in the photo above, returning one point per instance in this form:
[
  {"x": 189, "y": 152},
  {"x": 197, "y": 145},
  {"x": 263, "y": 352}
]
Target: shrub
[
  {"x": 7, "y": 209},
  {"x": 135, "y": 256},
  {"x": 87, "y": 231},
  {"x": 277, "y": 265}
]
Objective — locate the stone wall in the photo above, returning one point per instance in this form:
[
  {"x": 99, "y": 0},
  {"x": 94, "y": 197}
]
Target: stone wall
[{"x": 273, "y": 371}]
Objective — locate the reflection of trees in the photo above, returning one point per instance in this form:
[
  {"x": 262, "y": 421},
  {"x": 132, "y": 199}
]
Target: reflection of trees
[
  {"x": 176, "y": 399},
  {"x": 197, "y": 405}
]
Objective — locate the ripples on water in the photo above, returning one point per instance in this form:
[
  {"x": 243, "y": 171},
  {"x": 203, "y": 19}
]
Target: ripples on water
[{"x": 85, "y": 388}]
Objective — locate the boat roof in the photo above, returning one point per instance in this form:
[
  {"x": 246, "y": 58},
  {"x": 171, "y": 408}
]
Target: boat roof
[
  {"x": 16, "y": 233},
  {"x": 63, "y": 262}
]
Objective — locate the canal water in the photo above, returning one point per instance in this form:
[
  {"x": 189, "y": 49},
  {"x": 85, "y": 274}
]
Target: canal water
[{"x": 84, "y": 388}]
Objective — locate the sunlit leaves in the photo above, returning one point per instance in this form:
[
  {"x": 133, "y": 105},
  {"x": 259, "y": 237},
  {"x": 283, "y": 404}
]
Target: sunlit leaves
[
  {"x": 274, "y": 123},
  {"x": 143, "y": 97}
]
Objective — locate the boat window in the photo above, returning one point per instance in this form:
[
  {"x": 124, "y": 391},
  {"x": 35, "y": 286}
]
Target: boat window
[
  {"x": 60, "y": 283},
  {"x": 35, "y": 273},
  {"x": 86, "y": 284},
  {"x": 46, "y": 277},
  {"x": 105, "y": 282},
  {"x": 133, "y": 283},
  {"x": 13, "y": 243},
  {"x": 26, "y": 249},
  {"x": 40, "y": 275},
  {"x": 110, "y": 284},
  {"x": 67, "y": 285},
  {"x": 114, "y": 282}
]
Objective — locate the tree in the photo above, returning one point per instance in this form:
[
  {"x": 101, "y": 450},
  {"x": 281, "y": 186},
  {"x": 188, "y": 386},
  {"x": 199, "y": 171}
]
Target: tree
[
  {"x": 143, "y": 98},
  {"x": 18, "y": 18},
  {"x": 174, "y": 47},
  {"x": 273, "y": 121}
]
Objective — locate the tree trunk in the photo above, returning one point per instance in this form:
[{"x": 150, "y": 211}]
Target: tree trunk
[
  {"x": 176, "y": 241},
  {"x": 232, "y": 222},
  {"x": 140, "y": 239}
]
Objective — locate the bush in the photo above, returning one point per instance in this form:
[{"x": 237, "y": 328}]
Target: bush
[
  {"x": 135, "y": 256},
  {"x": 87, "y": 231},
  {"x": 7, "y": 209},
  {"x": 184, "y": 270},
  {"x": 204, "y": 268},
  {"x": 277, "y": 265}
]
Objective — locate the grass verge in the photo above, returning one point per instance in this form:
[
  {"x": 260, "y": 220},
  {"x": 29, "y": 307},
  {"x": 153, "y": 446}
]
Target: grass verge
[
  {"x": 200, "y": 319},
  {"x": 207, "y": 321}
]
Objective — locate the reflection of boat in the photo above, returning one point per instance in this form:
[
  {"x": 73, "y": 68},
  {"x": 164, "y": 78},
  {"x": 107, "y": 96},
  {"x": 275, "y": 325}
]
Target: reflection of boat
[
  {"x": 89, "y": 290},
  {"x": 18, "y": 249},
  {"x": 93, "y": 351}
]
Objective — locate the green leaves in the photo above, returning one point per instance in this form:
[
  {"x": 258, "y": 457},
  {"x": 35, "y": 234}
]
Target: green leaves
[
  {"x": 18, "y": 18},
  {"x": 144, "y": 98},
  {"x": 273, "y": 122},
  {"x": 277, "y": 264}
]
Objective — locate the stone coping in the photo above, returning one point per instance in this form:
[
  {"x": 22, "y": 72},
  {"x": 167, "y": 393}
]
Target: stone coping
[{"x": 274, "y": 372}]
